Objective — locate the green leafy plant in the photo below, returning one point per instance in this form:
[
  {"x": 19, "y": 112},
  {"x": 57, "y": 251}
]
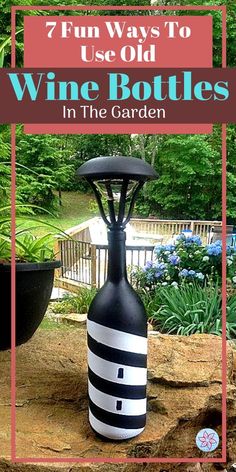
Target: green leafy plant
[
  {"x": 192, "y": 309},
  {"x": 231, "y": 317},
  {"x": 152, "y": 300},
  {"x": 28, "y": 246},
  {"x": 78, "y": 303},
  {"x": 3, "y": 46}
]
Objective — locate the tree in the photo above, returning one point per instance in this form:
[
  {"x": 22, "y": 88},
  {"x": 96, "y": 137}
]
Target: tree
[
  {"x": 43, "y": 166},
  {"x": 189, "y": 184},
  {"x": 217, "y": 28}
]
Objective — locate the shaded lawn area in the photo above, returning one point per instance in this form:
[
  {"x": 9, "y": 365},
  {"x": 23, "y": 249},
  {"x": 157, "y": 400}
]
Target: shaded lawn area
[
  {"x": 51, "y": 324},
  {"x": 76, "y": 208}
]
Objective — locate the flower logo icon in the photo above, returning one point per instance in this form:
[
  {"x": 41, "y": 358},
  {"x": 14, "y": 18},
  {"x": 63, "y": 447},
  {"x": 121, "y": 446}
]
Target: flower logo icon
[{"x": 207, "y": 440}]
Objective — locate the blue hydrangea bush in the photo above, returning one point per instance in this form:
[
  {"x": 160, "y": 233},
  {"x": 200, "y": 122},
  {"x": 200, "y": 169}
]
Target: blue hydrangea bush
[{"x": 187, "y": 261}]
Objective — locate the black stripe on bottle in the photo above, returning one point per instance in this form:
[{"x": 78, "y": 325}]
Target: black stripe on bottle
[
  {"x": 131, "y": 392},
  {"x": 116, "y": 355},
  {"x": 116, "y": 420}
]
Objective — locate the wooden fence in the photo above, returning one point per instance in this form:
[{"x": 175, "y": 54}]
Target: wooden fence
[
  {"x": 84, "y": 262},
  {"x": 169, "y": 227}
]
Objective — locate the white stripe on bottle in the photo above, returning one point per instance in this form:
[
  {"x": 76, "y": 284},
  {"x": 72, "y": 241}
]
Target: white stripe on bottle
[
  {"x": 109, "y": 403},
  {"x": 117, "y": 339},
  {"x": 109, "y": 371},
  {"x": 112, "y": 432}
]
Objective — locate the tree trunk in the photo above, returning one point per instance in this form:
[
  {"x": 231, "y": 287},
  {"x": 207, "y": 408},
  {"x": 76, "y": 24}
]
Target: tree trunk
[{"x": 60, "y": 196}]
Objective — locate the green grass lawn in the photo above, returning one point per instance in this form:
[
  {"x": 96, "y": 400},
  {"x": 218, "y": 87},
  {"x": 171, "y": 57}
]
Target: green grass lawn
[
  {"x": 51, "y": 324},
  {"x": 76, "y": 208}
]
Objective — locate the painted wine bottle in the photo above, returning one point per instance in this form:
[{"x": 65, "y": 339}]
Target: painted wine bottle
[
  {"x": 117, "y": 351},
  {"x": 117, "y": 323}
]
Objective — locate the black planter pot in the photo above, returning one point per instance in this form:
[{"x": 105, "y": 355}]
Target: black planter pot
[{"x": 34, "y": 284}]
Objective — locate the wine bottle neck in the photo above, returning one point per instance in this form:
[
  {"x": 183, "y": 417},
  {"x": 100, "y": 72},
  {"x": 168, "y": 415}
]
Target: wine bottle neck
[{"x": 116, "y": 256}]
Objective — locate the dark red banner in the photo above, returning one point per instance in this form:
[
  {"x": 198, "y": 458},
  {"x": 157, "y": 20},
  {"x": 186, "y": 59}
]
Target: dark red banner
[{"x": 118, "y": 96}]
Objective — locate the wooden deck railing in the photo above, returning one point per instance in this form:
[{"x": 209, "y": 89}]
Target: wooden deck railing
[
  {"x": 170, "y": 227},
  {"x": 84, "y": 262}
]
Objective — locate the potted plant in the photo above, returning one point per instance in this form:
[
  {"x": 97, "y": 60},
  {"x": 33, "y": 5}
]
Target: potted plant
[{"x": 35, "y": 266}]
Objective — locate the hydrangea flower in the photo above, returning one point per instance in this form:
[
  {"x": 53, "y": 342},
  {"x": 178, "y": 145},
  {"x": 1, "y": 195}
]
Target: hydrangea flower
[
  {"x": 174, "y": 259},
  {"x": 193, "y": 240},
  {"x": 187, "y": 273},
  {"x": 160, "y": 265},
  {"x": 214, "y": 249},
  {"x": 158, "y": 249},
  {"x": 175, "y": 284},
  {"x": 165, "y": 249},
  {"x": 229, "y": 261},
  {"x": 200, "y": 275},
  {"x": 169, "y": 247},
  {"x": 150, "y": 278},
  {"x": 197, "y": 240},
  {"x": 148, "y": 265},
  {"x": 189, "y": 241},
  {"x": 205, "y": 258},
  {"x": 181, "y": 237}
]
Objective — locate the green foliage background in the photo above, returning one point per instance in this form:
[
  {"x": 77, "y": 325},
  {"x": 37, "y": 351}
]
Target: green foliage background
[{"x": 189, "y": 166}]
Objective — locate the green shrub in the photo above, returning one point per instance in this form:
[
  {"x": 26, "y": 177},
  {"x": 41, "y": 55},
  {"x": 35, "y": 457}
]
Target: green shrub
[
  {"x": 190, "y": 309},
  {"x": 185, "y": 262},
  {"x": 231, "y": 317},
  {"x": 78, "y": 303}
]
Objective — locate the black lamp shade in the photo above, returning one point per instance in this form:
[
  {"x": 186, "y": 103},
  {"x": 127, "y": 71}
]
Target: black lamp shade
[
  {"x": 121, "y": 167},
  {"x": 118, "y": 179}
]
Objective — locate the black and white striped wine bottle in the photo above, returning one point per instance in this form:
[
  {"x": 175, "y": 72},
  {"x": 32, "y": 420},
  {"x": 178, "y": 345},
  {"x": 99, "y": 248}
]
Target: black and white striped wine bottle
[{"x": 117, "y": 351}]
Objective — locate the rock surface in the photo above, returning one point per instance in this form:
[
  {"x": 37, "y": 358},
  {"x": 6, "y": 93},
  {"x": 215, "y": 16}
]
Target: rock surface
[
  {"x": 184, "y": 396},
  {"x": 73, "y": 319}
]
